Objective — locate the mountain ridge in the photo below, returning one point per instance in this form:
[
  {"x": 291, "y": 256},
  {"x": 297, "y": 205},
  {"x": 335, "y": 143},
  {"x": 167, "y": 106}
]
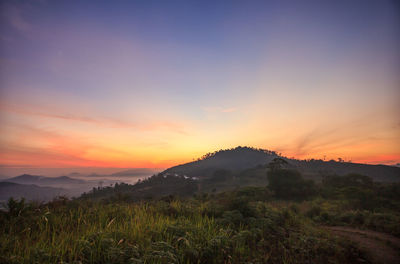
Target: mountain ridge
[
  {"x": 241, "y": 158},
  {"x": 43, "y": 180},
  {"x": 29, "y": 191}
]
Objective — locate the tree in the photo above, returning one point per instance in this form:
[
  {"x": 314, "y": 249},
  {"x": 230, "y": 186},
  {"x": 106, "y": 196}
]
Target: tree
[
  {"x": 277, "y": 164},
  {"x": 289, "y": 184}
]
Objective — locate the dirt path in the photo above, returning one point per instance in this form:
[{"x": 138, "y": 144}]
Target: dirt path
[{"x": 382, "y": 248}]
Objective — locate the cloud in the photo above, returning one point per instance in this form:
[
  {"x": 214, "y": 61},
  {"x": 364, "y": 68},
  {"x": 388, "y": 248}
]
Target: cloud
[
  {"x": 366, "y": 139},
  {"x": 104, "y": 121},
  {"x": 42, "y": 147}
]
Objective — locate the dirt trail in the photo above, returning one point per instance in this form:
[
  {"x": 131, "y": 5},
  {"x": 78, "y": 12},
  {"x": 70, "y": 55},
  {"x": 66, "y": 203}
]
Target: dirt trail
[{"x": 382, "y": 248}]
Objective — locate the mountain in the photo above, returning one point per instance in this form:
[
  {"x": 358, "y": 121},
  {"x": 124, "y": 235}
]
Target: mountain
[
  {"x": 243, "y": 158},
  {"x": 29, "y": 192},
  {"x": 239, "y": 158},
  {"x": 25, "y": 179},
  {"x": 230, "y": 169},
  {"x": 44, "y": 181}
]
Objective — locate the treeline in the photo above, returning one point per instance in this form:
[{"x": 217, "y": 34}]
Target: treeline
[
  {"x": 150, "y": 188},
  {"x": 359, "y": 190},
  {"x": 236, "y": 150}
]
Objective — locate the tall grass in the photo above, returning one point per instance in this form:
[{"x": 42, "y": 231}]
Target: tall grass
[{"x": 190, "y": 231}]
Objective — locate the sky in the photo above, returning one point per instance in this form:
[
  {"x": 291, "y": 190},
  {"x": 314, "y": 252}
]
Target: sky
[{"x": 152, "y": 84}]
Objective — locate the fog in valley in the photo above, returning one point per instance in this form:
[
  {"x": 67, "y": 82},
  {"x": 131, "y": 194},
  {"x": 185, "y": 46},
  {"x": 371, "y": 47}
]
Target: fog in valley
[{"x": 44, "y": 184}]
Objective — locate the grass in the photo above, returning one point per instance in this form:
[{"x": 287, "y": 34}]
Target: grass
[
  {"x": 176, "y": 231},
  {"x": 277, "y": 224}
]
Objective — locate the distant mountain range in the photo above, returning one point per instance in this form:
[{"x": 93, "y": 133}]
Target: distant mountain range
[
  {"x": 43, "y": 181},
  {"x": 29, "y": 192},
  {"x": 41, "y": 188},
  {"x": 241, "y": 158}
]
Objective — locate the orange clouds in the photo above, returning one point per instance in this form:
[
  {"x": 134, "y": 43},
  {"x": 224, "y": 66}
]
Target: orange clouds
[
  {"x": 109, "y": 122},
  {"x": 43, "y": 137},
  {"x": 39, "y": 139},
  {"x": 58, "y": 150}
]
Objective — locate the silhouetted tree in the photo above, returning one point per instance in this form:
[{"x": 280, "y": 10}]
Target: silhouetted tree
[
  {"x": 277, "y": 164},
  {"x": 289, "y": 184}
]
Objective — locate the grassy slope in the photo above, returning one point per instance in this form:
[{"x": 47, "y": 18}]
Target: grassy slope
[{"x": 190, "y": 231}]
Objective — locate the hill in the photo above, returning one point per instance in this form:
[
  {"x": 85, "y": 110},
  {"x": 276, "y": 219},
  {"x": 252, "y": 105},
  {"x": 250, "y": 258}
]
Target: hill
[
  {"x": 29, "y": 192},
  {"x": 44, "y": 181},
  {"x": 239, "y": 158},
  {"x": 242, "y": 158}
]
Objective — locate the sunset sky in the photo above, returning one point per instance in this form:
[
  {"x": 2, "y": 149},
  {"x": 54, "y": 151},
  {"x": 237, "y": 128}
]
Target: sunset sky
[{"x": 158, "y": 83}]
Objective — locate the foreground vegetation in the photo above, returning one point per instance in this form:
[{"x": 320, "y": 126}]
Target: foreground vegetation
[
  {"x": 282, "y": 223},
  {"x": 171, "y": 231}
]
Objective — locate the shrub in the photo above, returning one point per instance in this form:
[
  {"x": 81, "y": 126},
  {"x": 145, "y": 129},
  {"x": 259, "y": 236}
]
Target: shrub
[{"x": 289, "y": 184}]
